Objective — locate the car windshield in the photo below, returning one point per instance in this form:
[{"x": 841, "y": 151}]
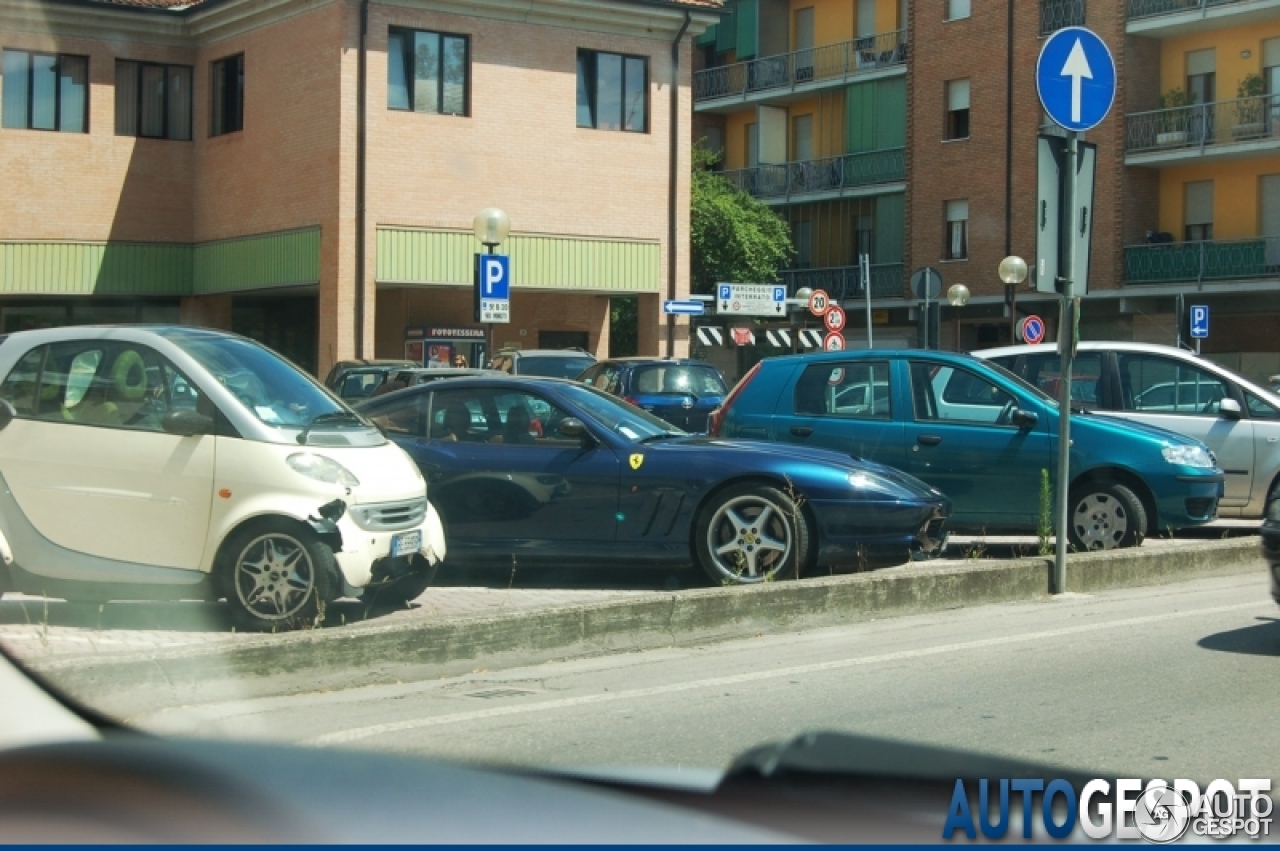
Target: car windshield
[
  {"x": 550, "y": 366},
  {"x": 272, "y": 389},
  {"x": 627, "y": 421},
  {"x": 678, "y": 378}
]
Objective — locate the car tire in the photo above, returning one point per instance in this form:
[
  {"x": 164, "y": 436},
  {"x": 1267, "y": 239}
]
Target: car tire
[
  {"x": 277, "y": 575},
  {"x": 1105, "y": 515},
  {"x": 402, "y": 590},
  {"x": 752, "y": 533}
]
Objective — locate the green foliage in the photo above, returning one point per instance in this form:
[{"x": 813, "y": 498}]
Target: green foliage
[
  {"x": 733, "y": 237},
  {"x": 1044, "y": 529},
  {"x": 624, "y": 327}
]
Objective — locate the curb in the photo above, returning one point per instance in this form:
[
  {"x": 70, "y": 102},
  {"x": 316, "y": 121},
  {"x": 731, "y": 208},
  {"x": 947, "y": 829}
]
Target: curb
[{"x": 372, "y": 653}]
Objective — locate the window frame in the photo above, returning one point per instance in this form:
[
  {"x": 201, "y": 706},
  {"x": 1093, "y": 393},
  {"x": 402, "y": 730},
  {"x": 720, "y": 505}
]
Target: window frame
[
  {"x": 1129, "y": 393},
  {"x": 947, "y": 233},
  {"x": 406, "y": 53},
  {"x": 57, "y": 90},
  {"x": 934, "y": 367},
  {"x": 219, "y": 78},
  {"x": 872, "y": 367},
  {"x": 593, "y": 95},
  {"x": 949, "y": 9},
  {"x": 166, "y": 67},
  {"x": 957, "y": 123}
]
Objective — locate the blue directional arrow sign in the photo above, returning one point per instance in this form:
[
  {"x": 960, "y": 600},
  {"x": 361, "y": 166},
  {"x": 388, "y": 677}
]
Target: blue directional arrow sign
[
  {"x": 1076, "y": 78},
  {"x": 684, "y": 308},
  {"x": 1199, "y": 321}
]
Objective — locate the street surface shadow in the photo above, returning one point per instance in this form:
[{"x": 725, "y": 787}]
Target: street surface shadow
[
  {"x": 189, "y": 616},
  {"x": 1260, "y": 639}
]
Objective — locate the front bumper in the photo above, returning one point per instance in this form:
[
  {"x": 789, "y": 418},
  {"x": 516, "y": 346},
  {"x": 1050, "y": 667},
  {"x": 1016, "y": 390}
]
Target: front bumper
[
  {"x": 1185, "y": 497},
  {"x": 847, "y": 529},
  {"x": 361, "y": 547}
]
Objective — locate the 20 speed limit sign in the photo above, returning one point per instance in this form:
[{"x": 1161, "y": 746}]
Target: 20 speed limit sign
[
  {"x": 834, "y": 318},
  {"x": 818, "y": 302}
]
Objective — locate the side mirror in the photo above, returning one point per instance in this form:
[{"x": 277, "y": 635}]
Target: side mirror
[
  {"x": 7, "y": 413},
  {"x": 186, "y": 422},
  {"x": 1023, "y": 419},
  {"x": 574, "y": 428},
  {"x": 1229, "y": 409}
]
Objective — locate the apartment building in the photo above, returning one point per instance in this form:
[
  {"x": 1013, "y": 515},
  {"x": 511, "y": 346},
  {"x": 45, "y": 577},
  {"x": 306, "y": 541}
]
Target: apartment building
[
  {"x": 306, "y": 172},
  {"x": 1187, "y": 205}
]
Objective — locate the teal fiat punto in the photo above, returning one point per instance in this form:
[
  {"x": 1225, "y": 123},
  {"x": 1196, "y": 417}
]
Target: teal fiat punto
[{"x": 982, "y": 436}]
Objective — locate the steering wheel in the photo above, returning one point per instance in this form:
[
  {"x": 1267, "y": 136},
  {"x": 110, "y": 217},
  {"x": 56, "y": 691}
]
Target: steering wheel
[{"x": 1006, "y": 413}]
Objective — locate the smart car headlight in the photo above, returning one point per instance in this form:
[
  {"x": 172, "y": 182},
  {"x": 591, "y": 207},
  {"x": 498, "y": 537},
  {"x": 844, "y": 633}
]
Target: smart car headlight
[
  {"x": 321, "y": 469},
  {"x": 1188, "y": 456}
]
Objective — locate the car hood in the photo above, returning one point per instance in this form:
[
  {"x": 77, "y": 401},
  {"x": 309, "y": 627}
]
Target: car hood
[
  {"x": 1103, "y": 423},
  {"x": 825, "y": 458}
]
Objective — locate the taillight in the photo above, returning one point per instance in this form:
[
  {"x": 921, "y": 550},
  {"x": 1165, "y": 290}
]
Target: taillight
[
  {"x": 716, "y": 421},
  {"x": 630, "y": 401}
]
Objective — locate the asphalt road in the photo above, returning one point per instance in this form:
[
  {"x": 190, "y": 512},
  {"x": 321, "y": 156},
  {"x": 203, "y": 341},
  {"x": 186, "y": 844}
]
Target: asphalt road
[{"x": 1173, "y": 681}]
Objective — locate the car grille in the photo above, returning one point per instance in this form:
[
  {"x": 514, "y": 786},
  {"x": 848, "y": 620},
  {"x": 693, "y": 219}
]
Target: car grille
[
  {"x": 390, "y": 516},
  {"x": 1201, "y": 506}
]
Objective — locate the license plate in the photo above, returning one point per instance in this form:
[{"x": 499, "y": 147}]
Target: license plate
[{"x": 406, "y": 543}]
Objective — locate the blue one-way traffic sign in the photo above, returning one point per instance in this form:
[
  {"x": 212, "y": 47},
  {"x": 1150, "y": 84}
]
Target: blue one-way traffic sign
[
  {"x": 1199, "y": 321},
  {"x": 1076, "y": 78},
  {"x": 689, "y": 307}
]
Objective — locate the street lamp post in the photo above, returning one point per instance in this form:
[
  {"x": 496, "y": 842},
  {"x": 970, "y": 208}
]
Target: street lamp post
[
  {"x": 957, "y": 296},
  {"x": 491, "y": 226},
  {"x": 796, "y": 312}
]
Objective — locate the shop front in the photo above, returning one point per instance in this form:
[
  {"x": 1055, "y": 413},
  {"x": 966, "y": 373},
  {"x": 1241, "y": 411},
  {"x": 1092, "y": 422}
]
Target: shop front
[{"x": 438, "y": 345}]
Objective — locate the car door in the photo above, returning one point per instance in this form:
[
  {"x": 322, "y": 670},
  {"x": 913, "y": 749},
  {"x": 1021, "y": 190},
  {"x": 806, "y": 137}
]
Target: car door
[
  {"x": 846, "y": 406},
  {"x": 961, "y": 439},
  {"x": 1183, "y": 397},
  {"x": 508, "y": 480},
  {"x": 88, "y": 463}
]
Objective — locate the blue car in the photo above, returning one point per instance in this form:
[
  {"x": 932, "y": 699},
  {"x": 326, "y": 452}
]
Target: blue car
[
  {"x": 682, "y": 392},
  {"x": 982, "y": 436},
  {"x": 543, "y": 471}
]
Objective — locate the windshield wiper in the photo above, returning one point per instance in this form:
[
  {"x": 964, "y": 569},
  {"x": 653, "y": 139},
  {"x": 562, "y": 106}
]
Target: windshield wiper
[
  {"x": 329, "y": 417},
  {"x": 664, "y": 435}
]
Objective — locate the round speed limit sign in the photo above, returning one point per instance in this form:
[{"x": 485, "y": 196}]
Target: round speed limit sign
[
  {"x": 833, "y": 342},
  {"x": 818, "y": 302},
  {"x": 834, "y": 318}
]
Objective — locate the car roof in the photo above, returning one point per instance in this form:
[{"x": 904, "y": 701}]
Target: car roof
[
  {"x": 548, "y": 352},
  {"x": 640, "y": 361},
  {"x": 869, "y": 354}
]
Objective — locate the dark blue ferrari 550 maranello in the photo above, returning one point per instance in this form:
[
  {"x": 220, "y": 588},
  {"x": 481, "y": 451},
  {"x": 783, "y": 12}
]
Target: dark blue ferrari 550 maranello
[{"x": 555, "y": 471}]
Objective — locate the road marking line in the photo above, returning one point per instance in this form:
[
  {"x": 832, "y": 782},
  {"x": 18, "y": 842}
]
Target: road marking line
[{"x": 356, "y": 733}]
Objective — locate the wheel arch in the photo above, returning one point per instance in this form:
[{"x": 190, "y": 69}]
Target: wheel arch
[
  {"x": 1130, "y": 480},
  {"x": 781, "y": 483},
  {"x": 251, "y": 524}
]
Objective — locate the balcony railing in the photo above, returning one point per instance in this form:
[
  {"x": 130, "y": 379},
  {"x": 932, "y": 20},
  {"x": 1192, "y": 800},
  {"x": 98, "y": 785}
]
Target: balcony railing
[
  {"x": 1155, "y": 8},
  {"x": 821, "y": 175},
  {"x": 831, "y": 61},
  {"x": 1056, "y": 14},
  {"x": 842, "y": 282},
  {"x": 1210, "y": 260},
  {"x": 1201, "y": 125}
]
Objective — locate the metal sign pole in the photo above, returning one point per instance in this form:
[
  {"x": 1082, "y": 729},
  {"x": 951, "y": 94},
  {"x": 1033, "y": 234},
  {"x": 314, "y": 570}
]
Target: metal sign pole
[
  {"x": 1066, "y": 352},
  {"x": 864, "y": 263}
]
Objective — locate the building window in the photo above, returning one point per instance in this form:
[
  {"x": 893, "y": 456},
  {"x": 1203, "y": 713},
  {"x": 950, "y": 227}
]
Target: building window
[
  {"x": 1057, "y": 14},
  {"x": 153, "y": 100},
  {"x": 957, "y": 9},
  {"x": 428, "y": 72},
  {"x": 957, "y": 234},
  {"x": 957, "y": 109},
  {"x": 45, "y": 91},
  {"x": 613, "y": 91},
  {"x": 1202, "y": 75},
  {"x": 1199, "y": 210},
  {"x": 226, "y": 85}
]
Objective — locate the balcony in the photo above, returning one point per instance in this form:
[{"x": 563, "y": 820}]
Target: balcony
[
  {"x": 1229, "y": 129},
  {"x": 841, "y": 282},
  {"x": 850, "y": 175},
  {"x": 1057, "y": 14},
  {"x": 794, "y": 74},
  {"x": 1197, "y": 262},
  {"x": 1167, "y": 18}
]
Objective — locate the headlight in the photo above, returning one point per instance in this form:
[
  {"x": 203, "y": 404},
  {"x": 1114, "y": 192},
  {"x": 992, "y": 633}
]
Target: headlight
[
  {"x": 1188, "y": 456},
  {"x": 322, "y": 469},
  {"x": 868, "y": 483}
]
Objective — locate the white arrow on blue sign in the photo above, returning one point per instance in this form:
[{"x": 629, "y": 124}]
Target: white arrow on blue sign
[
  {"x": 1199, "y": 321},
  {"x": 1076, "y": 78},
  {"x": 684, "y": 308}
]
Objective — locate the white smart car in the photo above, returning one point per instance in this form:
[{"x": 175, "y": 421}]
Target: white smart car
[{"x": 181, "y": 463}]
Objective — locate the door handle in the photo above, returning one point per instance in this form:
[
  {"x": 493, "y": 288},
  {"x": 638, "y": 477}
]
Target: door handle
[
  {"x": 928, "y": 439},
  {"x": 801, "y": 431}
]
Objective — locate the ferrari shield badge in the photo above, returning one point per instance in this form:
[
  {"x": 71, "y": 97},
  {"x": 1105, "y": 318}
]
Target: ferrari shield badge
[{"x": 636, "y": 460}]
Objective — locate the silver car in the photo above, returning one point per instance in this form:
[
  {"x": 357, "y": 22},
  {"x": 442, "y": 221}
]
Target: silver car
[{"x": 1177, "y": 390}]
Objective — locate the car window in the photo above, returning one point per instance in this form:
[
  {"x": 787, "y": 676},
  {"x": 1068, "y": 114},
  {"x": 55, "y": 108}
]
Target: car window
[
  {"x": 403, "y": 414},
  {"x": 1045, "y": 371},
  {"x": 1167, "y": 386},
  {"x": 553, "y": 366},
  {"x": 360, "y": 385},
  {"x": 625, "y": 420},
  {"x": 955, "y": 394},
  {"x": 123, "y": 385},
  {"x": 527, "y": 419},
  {"x": 854, "y": 389},
  {"x": 459, "y": 415},
  {"x": 678, "y": 379},
  {"x": 1260, "y": 409}
]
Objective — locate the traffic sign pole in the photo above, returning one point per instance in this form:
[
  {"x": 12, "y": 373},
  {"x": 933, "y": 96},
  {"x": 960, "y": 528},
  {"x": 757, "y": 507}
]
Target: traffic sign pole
[{"x": 1066, "y": 353}]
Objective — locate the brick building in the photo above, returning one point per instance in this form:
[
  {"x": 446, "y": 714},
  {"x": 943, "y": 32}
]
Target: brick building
[
  {"x": 1188, "y": 167},
  {"x": 306, "y": 171}
]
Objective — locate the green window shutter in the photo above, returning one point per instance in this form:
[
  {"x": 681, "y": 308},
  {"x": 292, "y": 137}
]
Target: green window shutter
[
  {"x": 860, "y": 118},
  {"x": 891, "y": 113},
  {"x": 890, "y": 225},
  {"x": 747, "y": 13},
  {"x": 708, "y": 37},
  {"x": 727, "y": 31}
]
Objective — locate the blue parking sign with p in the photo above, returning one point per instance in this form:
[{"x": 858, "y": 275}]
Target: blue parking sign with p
[
  {"x": 1199, "y": 321},
  {"x": 495, "y": 277}
]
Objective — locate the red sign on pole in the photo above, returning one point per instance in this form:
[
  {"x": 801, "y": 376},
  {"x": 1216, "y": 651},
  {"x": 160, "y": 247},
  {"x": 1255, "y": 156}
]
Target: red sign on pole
[
  {"x": 833, "y": 342},
  {"x": 834, "y": 318},
  {"x": 818, "y": 302}
]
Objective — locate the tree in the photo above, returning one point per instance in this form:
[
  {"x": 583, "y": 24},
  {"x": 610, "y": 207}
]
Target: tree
[{"x": 732, "y": 236}]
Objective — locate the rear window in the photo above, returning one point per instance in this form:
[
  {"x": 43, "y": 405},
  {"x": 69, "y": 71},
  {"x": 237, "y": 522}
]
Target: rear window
[
  {"x": 554, "y": 367},
  {"x": 678, "y": 378}
]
